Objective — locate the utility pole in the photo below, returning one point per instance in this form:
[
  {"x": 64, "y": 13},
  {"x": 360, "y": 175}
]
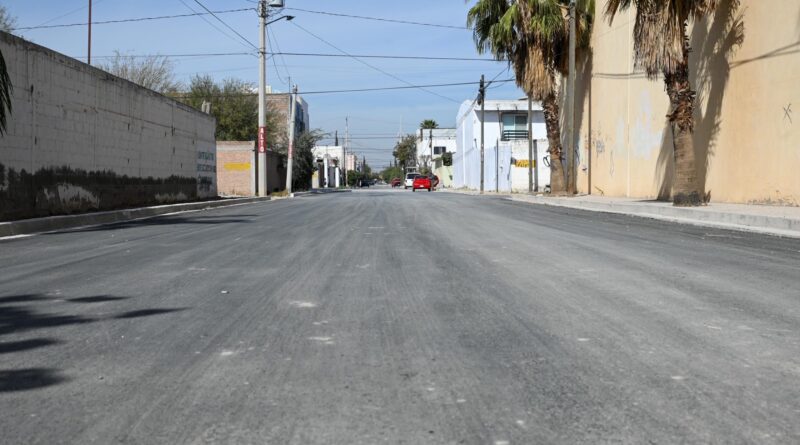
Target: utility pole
[
  {"x": 536, "y": 172},
  {"x": 262, "y": 100},
  {"x": 346, "y": 141},
  {"x": 89, "y": 53},
  {"x": 481, "y": 99},
  {"x": 290, "y": 160},
  {"x": 570, "y": 121},
  {"x": 531, "y": 159}
]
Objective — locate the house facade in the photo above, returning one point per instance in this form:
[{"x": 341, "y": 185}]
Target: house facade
[
  {"x": 506, "y": 159},
  {"x": 330, "y": 160},
  {"x": 432, "y": 145}
]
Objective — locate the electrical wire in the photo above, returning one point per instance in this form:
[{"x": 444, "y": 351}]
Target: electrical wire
[
  {"x": 130, "y": 20},
  {"x": 358, "y": 90},
  {"x": 227, "y": 25},
  {"x": 369, "y": 65},
  {"x": 379, "y": 19},
  {"x": 210, "y": 24},
  {"x": 285, "y": 68}
]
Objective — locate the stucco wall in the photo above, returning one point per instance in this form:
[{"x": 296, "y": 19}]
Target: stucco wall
[
  {"x": 81, "y": 139},
  {"x": 744, "y": 66}
]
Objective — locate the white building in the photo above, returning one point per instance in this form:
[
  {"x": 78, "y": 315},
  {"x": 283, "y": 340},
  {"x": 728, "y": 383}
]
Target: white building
[
  {"x": 505, "y": 146},
  {"x": 432, "y": 144},
  {"x": 329, "y": 160}
]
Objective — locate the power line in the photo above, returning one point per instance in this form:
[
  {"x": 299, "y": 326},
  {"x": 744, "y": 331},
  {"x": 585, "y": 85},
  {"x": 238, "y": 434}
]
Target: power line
[
  {"x": 373, "y": 56},
  {"x": 138, "y": 56},
  {"x": 357, "y": 90},
  {"x": 274, "y": 62},
  {"x": 130, "y": 20},
  {"x": 211, "y": 24},
  {"x": 360, "y": 56},
  {"x": 367, "y": 64},
  {"x": 226, "y": 25},
  {"x": 379, "y": 19}
]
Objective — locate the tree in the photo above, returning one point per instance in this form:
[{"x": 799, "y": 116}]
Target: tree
[
  {"x": 156, "y": 73},
  {"x": 661, "y": 47},
  {"x": 235, "y": 107},
  {"x": 303, "y": 164},
  {"x": 7, "y": 22},
  {"x": 533, "y": 35},
  {"x": 428, "y": 124},
  {"x": 390, "y": 173},
  {"x": 405, "y": 151},
  {"x": 5, "y": 95}
]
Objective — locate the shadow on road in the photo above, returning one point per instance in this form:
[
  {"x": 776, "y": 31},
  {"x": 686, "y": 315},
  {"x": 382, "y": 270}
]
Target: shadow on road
[
  {"x": 163, "y": 221},
  {"x": 22, "y": 313},
  {"x": 28, "y": 379}
]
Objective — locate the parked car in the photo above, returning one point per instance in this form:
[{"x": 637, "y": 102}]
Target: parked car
[
  {"x": 422, "y": 182},
  {"x": 396, "y": 182},
  {"x": 364, "y": 183},
  {"x": 410, "y": 179}
]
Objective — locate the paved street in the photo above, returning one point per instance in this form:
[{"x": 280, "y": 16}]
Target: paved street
[{"x": 386, "y": 316}]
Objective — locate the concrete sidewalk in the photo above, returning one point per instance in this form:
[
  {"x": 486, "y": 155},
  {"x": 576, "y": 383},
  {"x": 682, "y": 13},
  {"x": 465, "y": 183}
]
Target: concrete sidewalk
[
  {"x": 62, "y": 222},
  {"x": 773, "y": 220}
]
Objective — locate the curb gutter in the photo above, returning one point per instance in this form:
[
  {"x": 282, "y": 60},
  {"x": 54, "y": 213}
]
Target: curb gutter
[
  {"x": 53, "y": 223},
  {"x": 772, "y": 225}
]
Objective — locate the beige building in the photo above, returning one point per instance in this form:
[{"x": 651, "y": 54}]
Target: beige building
[
  {"x": 745, "y": 67},
  {"x": 236, "y": 175}
]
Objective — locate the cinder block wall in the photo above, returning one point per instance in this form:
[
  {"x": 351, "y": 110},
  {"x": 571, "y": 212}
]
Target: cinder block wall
[
  {"x": 80, "y": 139},
  {"x": 235, "y": 174}
]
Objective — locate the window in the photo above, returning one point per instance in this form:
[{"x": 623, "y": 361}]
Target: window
[
  {"x": 439, "y": 150},
  {"x": 515, "y": 126}
]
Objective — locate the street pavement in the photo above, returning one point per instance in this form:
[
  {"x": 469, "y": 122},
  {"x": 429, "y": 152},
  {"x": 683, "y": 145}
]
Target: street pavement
[{"x": 386, "y": 316}]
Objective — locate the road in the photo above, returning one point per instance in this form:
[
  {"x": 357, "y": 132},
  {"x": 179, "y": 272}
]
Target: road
[{"x": 388, "y": 316}]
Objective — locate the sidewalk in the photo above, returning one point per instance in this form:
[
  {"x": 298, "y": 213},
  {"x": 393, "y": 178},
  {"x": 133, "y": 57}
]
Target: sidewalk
[
  {"x": 773, "y": 220},
  {"x": 62, "y": 222}
]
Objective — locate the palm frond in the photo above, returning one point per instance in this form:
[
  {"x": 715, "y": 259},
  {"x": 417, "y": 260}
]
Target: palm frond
[{"x": 5, "y": 95}]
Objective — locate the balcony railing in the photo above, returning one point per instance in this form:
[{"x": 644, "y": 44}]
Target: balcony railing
[{"x": 511, "y": 135}]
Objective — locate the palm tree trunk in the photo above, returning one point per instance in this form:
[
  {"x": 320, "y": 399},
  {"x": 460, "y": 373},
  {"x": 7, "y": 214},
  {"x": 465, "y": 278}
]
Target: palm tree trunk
[
  {"x": 552, "y": 121},
  {"x": 686, "y": 189}
]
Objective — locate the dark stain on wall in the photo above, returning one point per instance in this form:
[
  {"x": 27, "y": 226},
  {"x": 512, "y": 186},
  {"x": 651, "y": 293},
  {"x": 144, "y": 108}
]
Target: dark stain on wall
[{"x": 63, "y": 190}]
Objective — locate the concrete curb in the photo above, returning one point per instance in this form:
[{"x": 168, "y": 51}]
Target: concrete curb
[
  {"x": 53, "y": 223},
  {"x": 771, "y": 225}
]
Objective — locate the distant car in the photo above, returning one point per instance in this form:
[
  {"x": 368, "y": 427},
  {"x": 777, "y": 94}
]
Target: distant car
[
  {"x": 396, "y": 182},
  {"x": 364, "y": 183},
  {"x": 410, "y": 180},
  {"x": 422, "y": 182}
]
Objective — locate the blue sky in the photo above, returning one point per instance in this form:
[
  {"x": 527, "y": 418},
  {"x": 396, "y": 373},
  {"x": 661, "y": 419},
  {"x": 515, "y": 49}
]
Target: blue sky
[{"x": 373, "y": 113}]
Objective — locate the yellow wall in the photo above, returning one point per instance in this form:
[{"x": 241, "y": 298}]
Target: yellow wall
[{"x": 745, "y": 66}]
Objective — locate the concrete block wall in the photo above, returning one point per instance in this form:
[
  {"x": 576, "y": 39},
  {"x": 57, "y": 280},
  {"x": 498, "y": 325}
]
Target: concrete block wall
[
  {"x": 81, "y": 139},
  {"x": 235, "y": 172}
]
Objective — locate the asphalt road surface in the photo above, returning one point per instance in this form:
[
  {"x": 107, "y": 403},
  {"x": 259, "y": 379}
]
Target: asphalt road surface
[{"x": 396, "y": 317}]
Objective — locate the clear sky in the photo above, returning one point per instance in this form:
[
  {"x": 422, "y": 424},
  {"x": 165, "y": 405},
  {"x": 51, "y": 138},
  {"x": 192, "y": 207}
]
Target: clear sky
[{"x": 373, "y": 115}]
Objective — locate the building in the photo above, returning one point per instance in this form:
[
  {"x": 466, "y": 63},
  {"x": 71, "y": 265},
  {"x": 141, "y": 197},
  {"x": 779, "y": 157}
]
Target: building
[
  {"x": 329, "y": 172},
  {"x": 280, "y": 102},
  {"x": 432, "y": 145},
  {"x": 744, "y": 66},
  {"x": 505, "y": 126},
  {"x": 80, "y": 139},
  {"x": 236, "y": 169}
]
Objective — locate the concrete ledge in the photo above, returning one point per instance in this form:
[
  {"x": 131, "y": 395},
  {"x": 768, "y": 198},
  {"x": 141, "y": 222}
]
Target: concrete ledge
[
  {"x": 735, "y": 217},
  {"x": 52, "y": 223}
]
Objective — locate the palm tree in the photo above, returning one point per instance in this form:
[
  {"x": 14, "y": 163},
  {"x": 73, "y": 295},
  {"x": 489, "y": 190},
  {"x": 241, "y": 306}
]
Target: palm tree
[
  {"x": 532, "y": 35},
  {"x": 428, "y": 124},
  {"x": 661, "y": 47},
  {"x": 5, "y": 95}
]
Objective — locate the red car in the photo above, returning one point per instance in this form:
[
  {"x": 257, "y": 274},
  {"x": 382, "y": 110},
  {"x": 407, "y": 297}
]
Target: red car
[
  {"x": 397, "y": 182},
  {"x": 422, "y": 182}
]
